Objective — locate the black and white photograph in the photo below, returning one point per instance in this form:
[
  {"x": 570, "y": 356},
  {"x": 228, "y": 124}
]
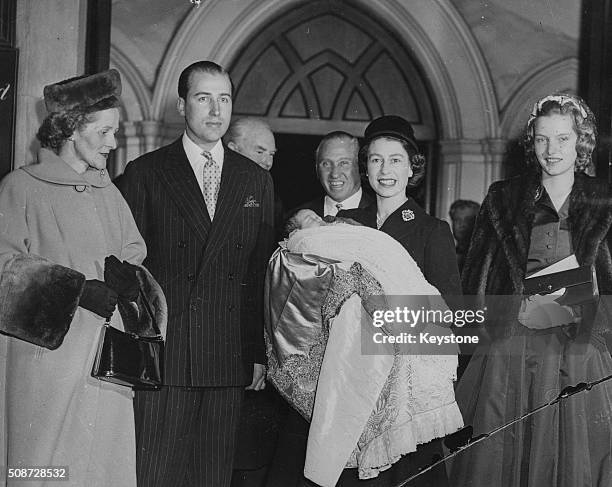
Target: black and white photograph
[{"x": 306, "y": 243}]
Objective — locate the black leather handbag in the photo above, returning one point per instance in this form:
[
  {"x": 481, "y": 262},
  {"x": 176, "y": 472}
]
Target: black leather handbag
[{"x": 128, "y": 359}]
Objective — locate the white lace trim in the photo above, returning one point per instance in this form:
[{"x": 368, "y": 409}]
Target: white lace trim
[{"x": 383, "y": 451}]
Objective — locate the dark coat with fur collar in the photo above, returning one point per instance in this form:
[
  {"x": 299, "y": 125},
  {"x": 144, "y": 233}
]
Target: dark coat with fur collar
[{"x": 497, "y": 258}]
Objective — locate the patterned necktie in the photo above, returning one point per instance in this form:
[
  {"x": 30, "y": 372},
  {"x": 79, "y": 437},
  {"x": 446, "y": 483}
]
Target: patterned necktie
[
  {"x": 339, "y": 206},
  {"x": 212, "y": 180}
]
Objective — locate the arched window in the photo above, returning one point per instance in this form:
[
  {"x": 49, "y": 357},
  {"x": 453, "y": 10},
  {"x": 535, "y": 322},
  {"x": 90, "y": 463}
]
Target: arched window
[{"x": 327, "y": 66}]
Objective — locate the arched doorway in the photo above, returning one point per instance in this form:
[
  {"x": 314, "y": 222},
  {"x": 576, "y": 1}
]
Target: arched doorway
[
  {"x": 329, "y": 66},
  {"x": 431, "y": 32}
]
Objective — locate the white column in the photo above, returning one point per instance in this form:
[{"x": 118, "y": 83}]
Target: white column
[
  {"x": 467, "y": 168},
  {"x": 130, "y": 145},
  {"x": 494, "y": 151},
  {"x": 151, "y": 131},
  {"x": 135, "y": 139},
  {"x": 460, "y": 172},
  {"x": 51, "y": 42},
  {"x": 171, "y": 131}
]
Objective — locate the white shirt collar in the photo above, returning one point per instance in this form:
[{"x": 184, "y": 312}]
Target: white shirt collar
[
  {"x": 194, "y": 155},
  {"x": 330, "y": 208}
]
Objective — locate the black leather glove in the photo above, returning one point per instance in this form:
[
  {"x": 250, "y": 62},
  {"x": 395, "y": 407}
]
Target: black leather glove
[
  {"x": 99, "y": 298},
  {"x": 121, "y": 277}
]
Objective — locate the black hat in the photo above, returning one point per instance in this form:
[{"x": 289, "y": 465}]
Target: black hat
[
  {"x": 391, "y": 126},
  {"x": 84, "y": 92}
]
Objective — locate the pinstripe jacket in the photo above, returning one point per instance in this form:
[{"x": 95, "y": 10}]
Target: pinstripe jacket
[{"x": 206, "y": 269}]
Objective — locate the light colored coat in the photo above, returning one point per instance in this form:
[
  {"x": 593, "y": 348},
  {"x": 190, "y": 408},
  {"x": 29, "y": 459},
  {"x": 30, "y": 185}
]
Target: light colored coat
[{"x": 55, "y": 413}]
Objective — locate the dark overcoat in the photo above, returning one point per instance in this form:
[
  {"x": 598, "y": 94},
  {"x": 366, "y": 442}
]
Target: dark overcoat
[{"x": 427, "y": 239}]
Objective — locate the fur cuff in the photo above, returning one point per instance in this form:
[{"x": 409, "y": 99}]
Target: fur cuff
[
  {"x": 38, "y": 300},
  {"x": 149, "y": 309}
]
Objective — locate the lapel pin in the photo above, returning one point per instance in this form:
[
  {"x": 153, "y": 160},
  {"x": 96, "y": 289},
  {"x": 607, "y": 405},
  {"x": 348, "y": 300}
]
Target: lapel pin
[{"x": 407, "y": 215}]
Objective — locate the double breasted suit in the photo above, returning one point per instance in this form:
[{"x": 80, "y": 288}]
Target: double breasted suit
[
  {"x": 205, "y": 267},
  {"x": 206, "y": 270}
]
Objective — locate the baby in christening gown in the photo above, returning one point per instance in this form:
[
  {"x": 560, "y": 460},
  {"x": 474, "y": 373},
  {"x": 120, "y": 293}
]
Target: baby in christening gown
[
  {"x": 415, "y": 401},
  {"x": 304, "y": 219}
]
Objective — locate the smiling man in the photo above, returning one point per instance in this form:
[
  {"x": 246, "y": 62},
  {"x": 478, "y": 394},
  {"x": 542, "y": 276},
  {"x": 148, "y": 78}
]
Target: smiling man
[
  {"x": 338, "y": 171},
  {"x": 206, "y": 214}
]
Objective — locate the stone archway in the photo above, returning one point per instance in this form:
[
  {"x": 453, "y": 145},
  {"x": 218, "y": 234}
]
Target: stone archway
[
  {"x": 328, "y": 66},
  {"x": 440, "y": 43},
  {"x": 133, "y": 138},
  {"x": 559, "y": 76}
]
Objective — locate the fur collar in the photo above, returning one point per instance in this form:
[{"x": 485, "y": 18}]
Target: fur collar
[{"x": 511, "y": 210}]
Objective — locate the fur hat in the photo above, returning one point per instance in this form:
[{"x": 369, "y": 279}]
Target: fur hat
[{"x": 84, "y": 92}]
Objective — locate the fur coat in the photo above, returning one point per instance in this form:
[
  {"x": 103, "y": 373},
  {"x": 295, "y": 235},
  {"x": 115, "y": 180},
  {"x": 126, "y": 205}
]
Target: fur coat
[
  {"x": 567, "y": 444},
  {"x": 497, "y": 258}
]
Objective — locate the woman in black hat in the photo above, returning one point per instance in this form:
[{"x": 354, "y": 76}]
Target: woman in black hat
[
  {"x": 393, "y": 164},
  {"x": 67, "y": 244}
]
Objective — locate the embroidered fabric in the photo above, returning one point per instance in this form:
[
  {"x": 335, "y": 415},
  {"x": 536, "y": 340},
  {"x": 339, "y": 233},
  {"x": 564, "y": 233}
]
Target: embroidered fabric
[
  {"x": 416, "y": 404},
  {"x": 414, "y": 407},
  {"x": 296, "y": 379},
  {"x": 365, "y": 410},
  {"x": 346, "y": 283}
]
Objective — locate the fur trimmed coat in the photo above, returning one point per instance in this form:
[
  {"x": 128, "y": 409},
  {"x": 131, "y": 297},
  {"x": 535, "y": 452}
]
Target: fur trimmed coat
[{"x": 59, "y": 226}]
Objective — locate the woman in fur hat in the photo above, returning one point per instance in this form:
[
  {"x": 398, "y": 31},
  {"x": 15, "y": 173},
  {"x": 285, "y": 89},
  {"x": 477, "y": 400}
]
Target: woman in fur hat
[
  {"x": 67, "y": 239},
  {"x": 552, "y": 212}
]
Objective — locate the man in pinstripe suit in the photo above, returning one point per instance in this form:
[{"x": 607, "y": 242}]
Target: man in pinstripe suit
[{"x": 206, "y": 214}]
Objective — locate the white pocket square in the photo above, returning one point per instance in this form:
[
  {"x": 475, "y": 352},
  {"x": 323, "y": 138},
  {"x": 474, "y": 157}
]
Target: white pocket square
[{"x": 251, "y": 202}]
